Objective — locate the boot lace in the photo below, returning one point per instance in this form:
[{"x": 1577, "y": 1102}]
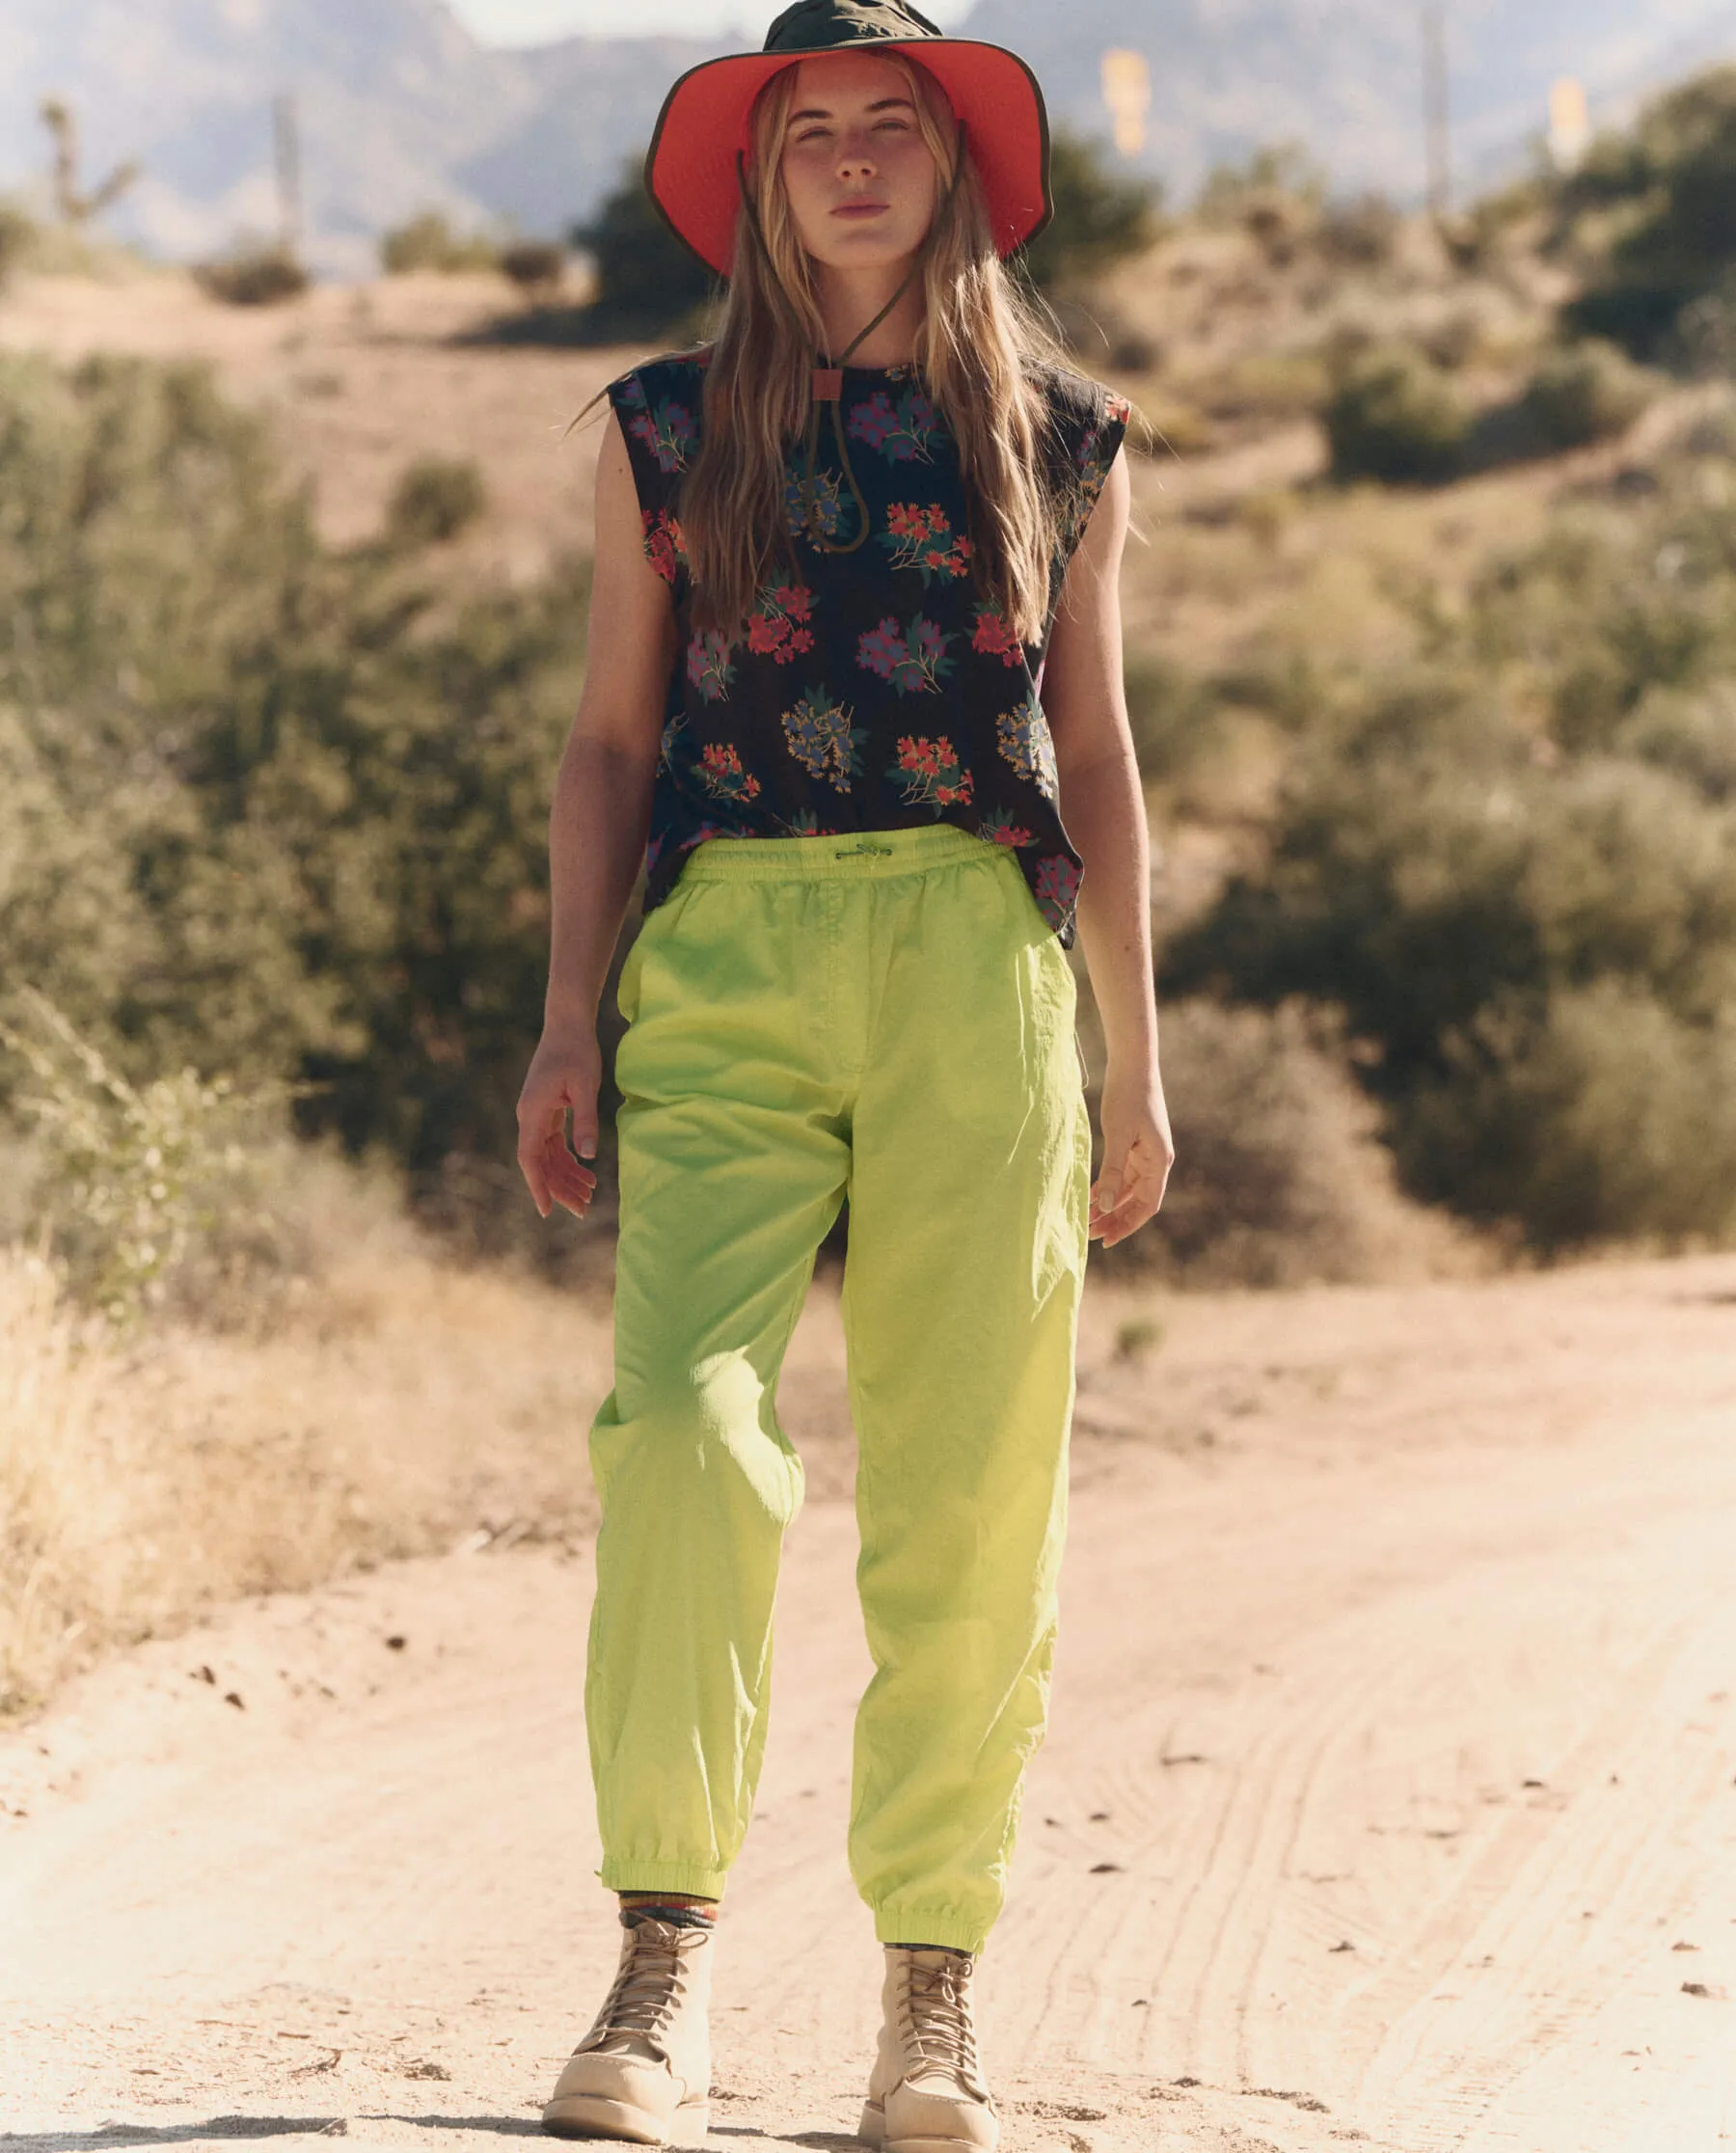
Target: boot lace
[
  {"x": 937, "y": 2015},
  {"x": 649, "y": 1985}
]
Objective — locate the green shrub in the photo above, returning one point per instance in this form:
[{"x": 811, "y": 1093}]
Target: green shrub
[
  {"x": 434, "y": 500},
  {"x": 1280, "y": 1178},
  {"x": 1099, "y": 218},
  {"x": 649, "y": 284},
  {"x": 257, "y": 815},
  {"x": 135, "y": 1176},
  {"x": 1394, "y": 418},
  {"x": 1170, "y": 712},
  {"x": 1655, "y": 206},
  {"x": 17, "y": 241},
  {"x": 1515, "y": 866},
  {"x": 1583, "y": 393},
  {"x": 428, "y": 242},
  {"x": 533, "y": 264},
  {"x": 254, "y": 277},
  {"x": 1597, "y": 1113},
  {"x": 1361, "y": 234}
]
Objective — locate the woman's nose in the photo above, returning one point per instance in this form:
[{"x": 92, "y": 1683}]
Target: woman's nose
[{"x": 855, "y": 162}]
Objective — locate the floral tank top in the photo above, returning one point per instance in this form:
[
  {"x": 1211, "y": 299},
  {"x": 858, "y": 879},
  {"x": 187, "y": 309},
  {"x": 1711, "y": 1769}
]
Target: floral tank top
[{"x": 872, "y": 690}]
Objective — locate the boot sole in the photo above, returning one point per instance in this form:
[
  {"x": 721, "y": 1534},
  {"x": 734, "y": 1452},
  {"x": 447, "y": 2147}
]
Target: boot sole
[
  {"x": 872, "y": 2131},
  {"x": 588, "y": 2115}
]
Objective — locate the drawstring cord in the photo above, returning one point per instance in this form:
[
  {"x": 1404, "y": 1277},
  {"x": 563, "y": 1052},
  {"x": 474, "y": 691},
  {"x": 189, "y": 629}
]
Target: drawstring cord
[{"x": 827, "y": 377}]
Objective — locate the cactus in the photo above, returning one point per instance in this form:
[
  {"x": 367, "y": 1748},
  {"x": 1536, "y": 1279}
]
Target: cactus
[{"x": 74, "y": 206}]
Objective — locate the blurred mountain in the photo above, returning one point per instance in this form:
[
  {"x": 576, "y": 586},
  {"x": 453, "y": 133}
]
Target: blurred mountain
[{"x": 401, "y": 109}]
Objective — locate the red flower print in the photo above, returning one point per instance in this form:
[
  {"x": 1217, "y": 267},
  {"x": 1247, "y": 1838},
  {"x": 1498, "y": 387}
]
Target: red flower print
[
  {"x": 1000, "y": 828},
  {"x": 665, "y": 547},
  {"x": 995, "y": 638},
  {"x": 921, "y": 539},
  {"x": 721, "y": 775},
  {"x": 932, "y": 773},
  {"x": 773, "y": 630}
]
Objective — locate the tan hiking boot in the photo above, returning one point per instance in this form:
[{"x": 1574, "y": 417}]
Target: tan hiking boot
[
  {"x": 926, "y": 2093},
  {"x": 643, "y": 2071}
]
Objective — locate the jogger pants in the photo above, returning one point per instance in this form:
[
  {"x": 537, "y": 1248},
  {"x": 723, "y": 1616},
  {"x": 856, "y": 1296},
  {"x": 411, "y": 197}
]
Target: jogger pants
[{"x": 888, "y": 1018}]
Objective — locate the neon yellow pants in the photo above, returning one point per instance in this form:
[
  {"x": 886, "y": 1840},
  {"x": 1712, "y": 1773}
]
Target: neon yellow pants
[{"x": 890, "y": 1019}]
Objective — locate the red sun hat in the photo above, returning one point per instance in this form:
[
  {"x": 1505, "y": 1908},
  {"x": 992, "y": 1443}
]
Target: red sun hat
[{"x": 690, "y": 170}]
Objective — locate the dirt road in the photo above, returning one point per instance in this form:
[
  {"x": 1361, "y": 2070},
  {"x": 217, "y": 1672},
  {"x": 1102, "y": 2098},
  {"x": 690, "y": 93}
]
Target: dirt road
[{"x": 1389, "y": 1796}]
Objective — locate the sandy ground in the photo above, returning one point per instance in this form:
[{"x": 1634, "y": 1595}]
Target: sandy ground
[{"x": 1388, "y": 1797}]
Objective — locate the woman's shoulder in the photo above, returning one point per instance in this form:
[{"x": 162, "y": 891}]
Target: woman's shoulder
[
  {"x": 1086, "y": 421},
  {"x": 660, "y": 405},
  {"x": 670, "y": 377},
  {"x": 1077, "y": 404}
]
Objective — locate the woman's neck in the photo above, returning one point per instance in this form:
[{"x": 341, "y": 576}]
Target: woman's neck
[{"x": 849, "y": 299}]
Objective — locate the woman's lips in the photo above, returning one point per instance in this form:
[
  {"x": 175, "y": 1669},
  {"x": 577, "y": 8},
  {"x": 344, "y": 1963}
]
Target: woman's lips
[{"x": 862, "y": 209}]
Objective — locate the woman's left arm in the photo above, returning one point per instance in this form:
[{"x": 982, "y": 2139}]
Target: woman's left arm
[{"x": 1104, "y": 812}]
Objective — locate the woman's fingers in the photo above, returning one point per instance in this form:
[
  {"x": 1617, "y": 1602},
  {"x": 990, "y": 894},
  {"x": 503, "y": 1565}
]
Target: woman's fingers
[
  {"x": 566, "y": 1181},
  {"x": 1127, "y": 1194}
]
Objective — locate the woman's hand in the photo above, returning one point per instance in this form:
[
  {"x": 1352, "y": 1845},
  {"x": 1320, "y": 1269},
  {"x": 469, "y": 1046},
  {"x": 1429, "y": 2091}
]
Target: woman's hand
[
  {"x": 565, "y": 1074},
  {"x": 1138, "y": 1153}
]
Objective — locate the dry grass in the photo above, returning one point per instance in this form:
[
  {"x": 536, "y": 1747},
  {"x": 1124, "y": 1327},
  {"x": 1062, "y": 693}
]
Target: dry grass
[{"x": 401, "y": 1404}]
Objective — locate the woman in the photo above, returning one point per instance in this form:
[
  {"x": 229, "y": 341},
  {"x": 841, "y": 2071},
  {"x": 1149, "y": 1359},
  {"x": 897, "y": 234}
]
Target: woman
[{"x": 826, "y": 592}]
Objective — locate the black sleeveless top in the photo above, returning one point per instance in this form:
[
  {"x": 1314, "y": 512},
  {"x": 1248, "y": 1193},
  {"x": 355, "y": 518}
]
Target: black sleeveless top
[{"x": 872, "y": 690}]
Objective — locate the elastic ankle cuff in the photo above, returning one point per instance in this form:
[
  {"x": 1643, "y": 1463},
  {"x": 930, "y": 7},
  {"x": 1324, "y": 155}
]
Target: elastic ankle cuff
[
  {"x": 685, "y": 1877},
  {"x": 955, "y": 1931}
]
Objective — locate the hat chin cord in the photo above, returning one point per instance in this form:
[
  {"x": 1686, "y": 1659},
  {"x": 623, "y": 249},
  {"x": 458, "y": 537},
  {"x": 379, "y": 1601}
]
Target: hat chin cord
[{"x": 826, "y": 378}]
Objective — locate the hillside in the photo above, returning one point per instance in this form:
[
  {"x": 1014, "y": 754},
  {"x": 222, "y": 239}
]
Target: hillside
[{"x": 401, "y": 108}]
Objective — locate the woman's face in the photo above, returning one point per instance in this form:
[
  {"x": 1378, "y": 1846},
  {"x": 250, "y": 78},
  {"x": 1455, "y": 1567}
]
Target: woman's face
[{"x": 860, "y": 178}]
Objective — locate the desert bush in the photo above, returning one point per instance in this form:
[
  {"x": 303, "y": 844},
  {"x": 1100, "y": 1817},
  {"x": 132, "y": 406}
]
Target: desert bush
[
  {"x": 1172, "y": 713},
  {"x": 1229, "y": 192},
  {"x": 17, "y": 240},
  {"x": 1395, "y": 417},
  {"x": 1583, "y": 393},
  {"x": 1515, "y": 866},
  {"x": 1099, "y": 218},
  {"x": 1594, "y": 1113},
  {"x": 429, "y": 241},
  {"x": 1361, "y": 234},
  {"x": 534, "y": 266},
  {"x": 1280, "y": 1176},
  {"x": 254, "y": 277},
  {"x": 328, "y": 859},
  {"x": 1654, "y": 208},
  {"x": 434, "y": 500},
  {"x": 143, "y": 1480},
  {"x": 147, "y": 1194},
  {"x": 648, "y": 284}
]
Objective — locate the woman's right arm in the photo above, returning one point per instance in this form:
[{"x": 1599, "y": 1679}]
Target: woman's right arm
[{"x": 597, "y": 834}]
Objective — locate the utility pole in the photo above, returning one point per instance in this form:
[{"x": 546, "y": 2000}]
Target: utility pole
[
  {"x": 1436, "y": 125},
  {"x": 285, "y": 140}
]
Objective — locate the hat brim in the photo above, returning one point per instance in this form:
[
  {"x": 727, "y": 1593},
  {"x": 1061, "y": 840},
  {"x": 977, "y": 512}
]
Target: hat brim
[{"x": 691, "y": 165}]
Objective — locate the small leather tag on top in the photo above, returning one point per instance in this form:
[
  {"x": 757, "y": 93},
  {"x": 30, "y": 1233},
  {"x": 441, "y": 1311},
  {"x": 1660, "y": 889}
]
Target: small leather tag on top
[{"x": 828, "y": 384}]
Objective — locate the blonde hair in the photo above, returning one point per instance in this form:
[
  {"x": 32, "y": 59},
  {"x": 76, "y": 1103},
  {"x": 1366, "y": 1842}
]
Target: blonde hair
[{"x": 976, "y": 345}]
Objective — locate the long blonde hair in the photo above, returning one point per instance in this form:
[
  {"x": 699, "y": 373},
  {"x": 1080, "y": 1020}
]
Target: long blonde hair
[{"x": 976, "y": 345}]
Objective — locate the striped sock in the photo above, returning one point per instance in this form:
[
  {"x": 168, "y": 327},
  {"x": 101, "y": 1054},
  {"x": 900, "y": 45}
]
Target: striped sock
[{"x": 676, "y": 1908}]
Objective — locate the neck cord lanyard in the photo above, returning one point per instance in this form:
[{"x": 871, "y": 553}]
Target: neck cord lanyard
[{"x": 826, "y": 377}]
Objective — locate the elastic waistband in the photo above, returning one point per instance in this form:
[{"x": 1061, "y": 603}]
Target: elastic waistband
[{"x": 863, "y": 856}]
